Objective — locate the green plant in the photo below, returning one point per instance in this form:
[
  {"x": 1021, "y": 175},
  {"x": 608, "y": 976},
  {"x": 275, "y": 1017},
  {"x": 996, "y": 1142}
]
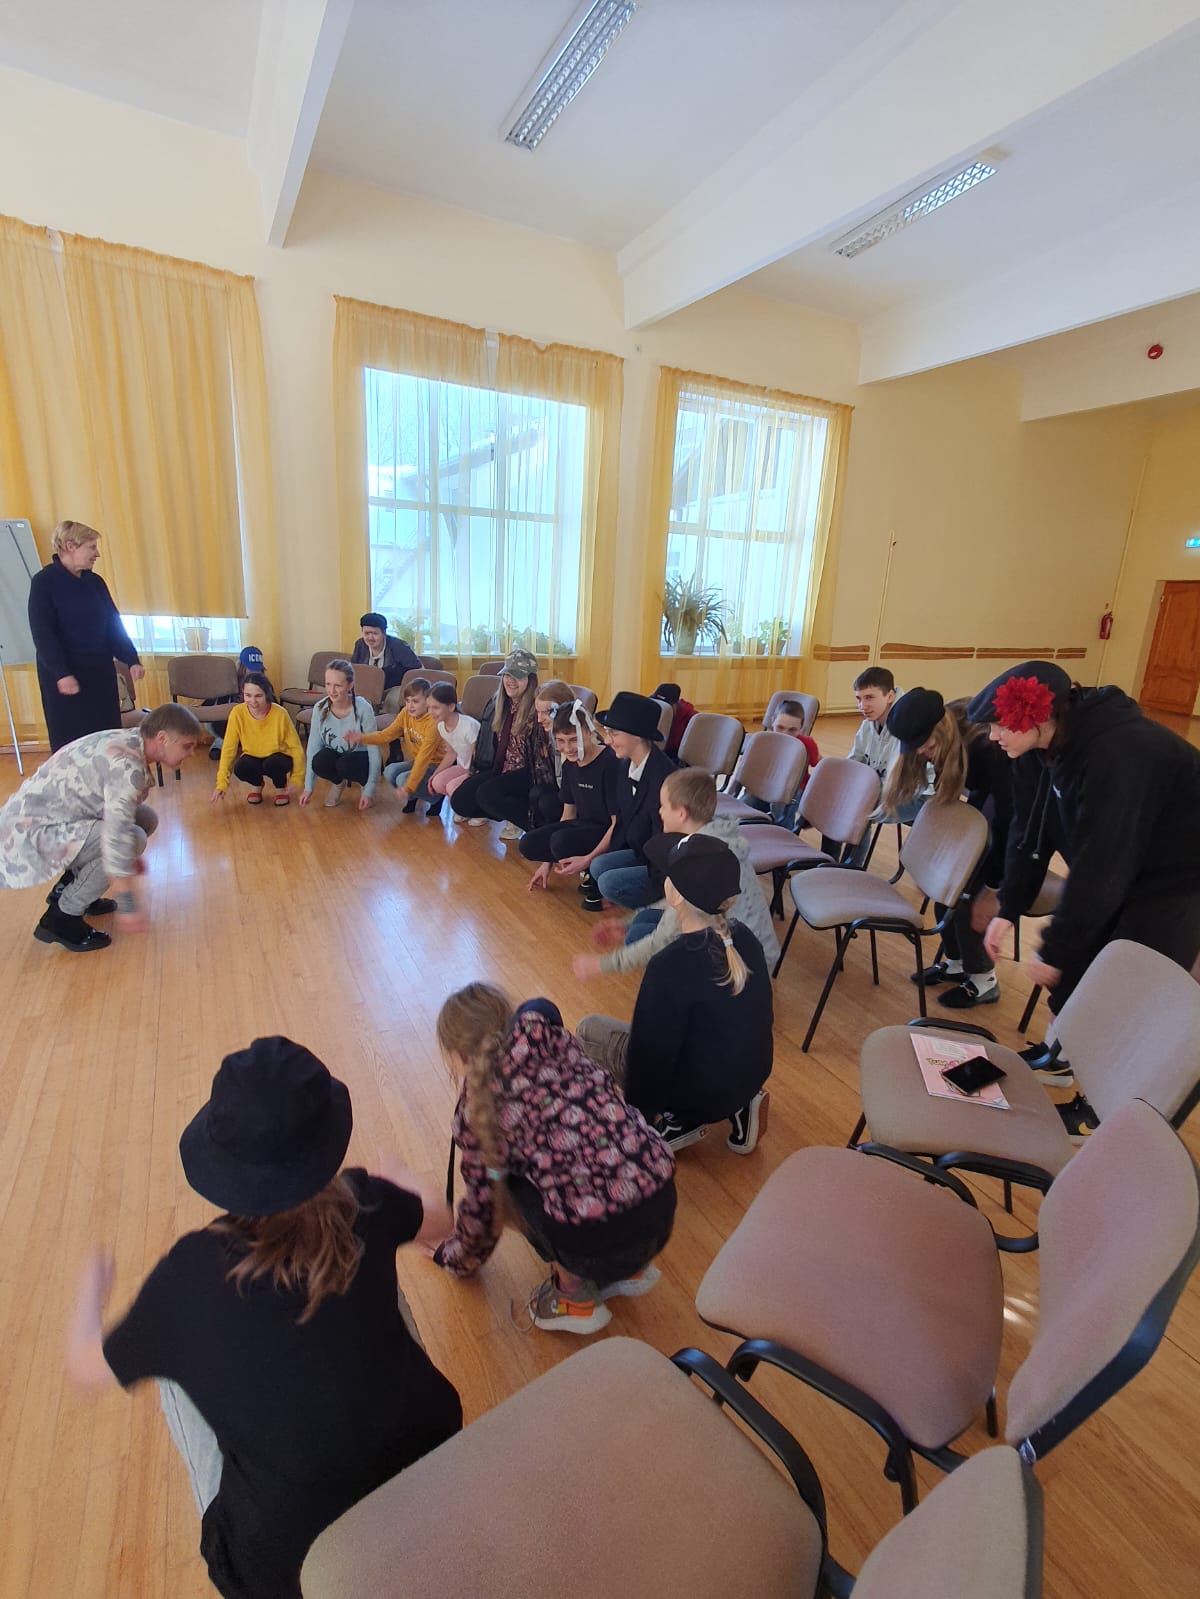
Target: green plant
[
  {"x": 692, "y": 612},
  {"x": 773, "y": 635}
]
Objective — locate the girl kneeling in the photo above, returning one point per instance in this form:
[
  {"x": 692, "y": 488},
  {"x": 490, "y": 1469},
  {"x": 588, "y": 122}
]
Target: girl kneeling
[{"x": 545, "y": 1135}]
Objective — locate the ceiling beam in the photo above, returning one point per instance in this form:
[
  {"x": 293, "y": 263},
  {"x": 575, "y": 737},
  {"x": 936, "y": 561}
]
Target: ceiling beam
[
  {"x": 955, "y": 83},
  {"x": 298, "y": 47}
]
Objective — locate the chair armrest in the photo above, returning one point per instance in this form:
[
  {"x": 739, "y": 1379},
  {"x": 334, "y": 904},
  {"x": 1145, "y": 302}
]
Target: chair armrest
[
  {"x": 954, "y": 1027},
  {"x": 931, "y": 1174},
  {"x": 726, "y": 1390},
  {"x": 1007, "y": 1171}
]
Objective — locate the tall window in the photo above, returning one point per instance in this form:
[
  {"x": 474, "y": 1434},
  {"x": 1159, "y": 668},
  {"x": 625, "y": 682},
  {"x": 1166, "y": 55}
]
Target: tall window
[
  {"x": 475, "y": 512},
  {"x": 746, "y": 497},
  {"x": 181, "y": 635}
]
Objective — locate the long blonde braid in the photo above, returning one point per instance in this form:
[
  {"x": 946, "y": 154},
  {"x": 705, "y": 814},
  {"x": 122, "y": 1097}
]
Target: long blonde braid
[{"x": 473, "y": 1025}]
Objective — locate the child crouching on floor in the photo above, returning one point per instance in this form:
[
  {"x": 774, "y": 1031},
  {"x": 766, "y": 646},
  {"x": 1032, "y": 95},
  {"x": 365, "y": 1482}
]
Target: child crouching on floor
[
  {"x": 589, "y": 802},
  {"x": 548, "y": 1143},
  {"x": 417, "y": 734},
  {"x": 457, "y": 735}
]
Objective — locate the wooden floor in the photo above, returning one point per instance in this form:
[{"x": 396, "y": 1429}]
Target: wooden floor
[{"x": 346, "y": 931}]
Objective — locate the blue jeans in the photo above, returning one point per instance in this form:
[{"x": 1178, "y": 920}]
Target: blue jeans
[
  {"x": 621, "y": 878},
  {"x": 395, "y": 772},
  {"x": 642, "y": 925}
]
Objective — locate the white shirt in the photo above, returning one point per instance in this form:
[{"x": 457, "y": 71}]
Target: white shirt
[
  {"x": 461, "y": 738},
  {"x": 635, "y": 772}
]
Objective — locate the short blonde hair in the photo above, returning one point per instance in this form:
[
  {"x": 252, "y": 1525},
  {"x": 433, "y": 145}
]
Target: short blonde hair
[{"x": 70, "y": 535}]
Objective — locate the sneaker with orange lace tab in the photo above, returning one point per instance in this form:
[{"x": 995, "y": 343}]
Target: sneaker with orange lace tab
[{"x": 552, "y": 1311}]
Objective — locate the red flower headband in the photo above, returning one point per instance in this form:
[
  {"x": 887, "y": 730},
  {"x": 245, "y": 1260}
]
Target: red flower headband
[{"x": 1023, "y": 703}]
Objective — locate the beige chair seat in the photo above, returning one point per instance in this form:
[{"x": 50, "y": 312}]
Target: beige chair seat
[
  {"x": 834, "y": 1260},
  {"x": 301, "y": 696},
  {"x": 772, "y": 847},
  {"x": 612, "y": 1474},
  {"x": 898, "y": 1110},
  {"x": 836, "y": 896},
  {"x": 740, "y": 811}
]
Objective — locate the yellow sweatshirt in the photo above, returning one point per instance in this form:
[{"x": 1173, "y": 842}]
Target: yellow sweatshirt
[
  {"x": 419, "y": 739},
  {"x": 275, "y": 734}
]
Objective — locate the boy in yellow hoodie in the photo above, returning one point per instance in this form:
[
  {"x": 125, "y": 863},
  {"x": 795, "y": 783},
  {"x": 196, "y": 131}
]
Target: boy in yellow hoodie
[{"x": 420, "y": 746}]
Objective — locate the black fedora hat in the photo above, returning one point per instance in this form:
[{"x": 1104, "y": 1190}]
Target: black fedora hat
[
  {"x": 273, "y": 1134},
  {"x": 635, "y": 714}
]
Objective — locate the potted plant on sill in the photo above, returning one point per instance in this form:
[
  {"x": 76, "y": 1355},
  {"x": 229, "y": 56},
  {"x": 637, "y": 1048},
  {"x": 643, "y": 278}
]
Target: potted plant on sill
[
  {"x": 773, "y": 635},
  {"x": 692, "y": 614},
  {"x": 196, "y": 634}
]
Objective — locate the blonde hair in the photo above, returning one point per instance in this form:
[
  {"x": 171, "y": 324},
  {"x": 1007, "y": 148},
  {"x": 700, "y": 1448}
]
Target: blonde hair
[
  {"x": 523, "y": 708},
  {"x": 691, "y": 790},
  {"x": 346, "y": 669},
  {"x": 313, "y": 1247},
  {"x": 736, "y": 973},
  {"x": 950, "y": 738},
  {"x": 473, "y": 1024},
  {"x": 70, "y": 535}
]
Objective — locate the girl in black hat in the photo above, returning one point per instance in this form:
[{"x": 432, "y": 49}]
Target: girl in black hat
[
  {"x": 933, "y": 734},
  {"x": 291, "y": 1380},
  {"x": 622, "y": 875},
  {"x": 1119, "y": 796}
]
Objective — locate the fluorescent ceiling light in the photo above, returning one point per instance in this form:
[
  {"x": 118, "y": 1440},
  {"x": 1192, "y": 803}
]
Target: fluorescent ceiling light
[
  {"x": 935, "y": 194},
  {"x": 584, "y": 47}
]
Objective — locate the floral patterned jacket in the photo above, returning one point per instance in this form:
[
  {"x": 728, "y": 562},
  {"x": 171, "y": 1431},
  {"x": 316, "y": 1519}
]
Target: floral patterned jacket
[
  {"x": 565, "y": 1128},
  {"x": 103, "y": 778}
]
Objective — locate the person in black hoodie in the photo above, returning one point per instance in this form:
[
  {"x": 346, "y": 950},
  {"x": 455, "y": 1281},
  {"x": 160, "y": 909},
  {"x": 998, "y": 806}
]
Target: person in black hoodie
[
  {"x": 1119, "y": 797},
  {"x": 622, "y": 875},
  {"x": 964, "y": 762}
]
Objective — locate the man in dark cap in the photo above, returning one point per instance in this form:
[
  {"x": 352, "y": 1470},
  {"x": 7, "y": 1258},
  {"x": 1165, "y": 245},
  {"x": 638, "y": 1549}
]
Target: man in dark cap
[{"x": 378, "y": 647}]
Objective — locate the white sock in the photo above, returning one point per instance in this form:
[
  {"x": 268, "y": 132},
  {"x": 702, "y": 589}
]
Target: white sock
[
  {"x": 953, "y": 966},
  {"x": 984, "y": 981}
]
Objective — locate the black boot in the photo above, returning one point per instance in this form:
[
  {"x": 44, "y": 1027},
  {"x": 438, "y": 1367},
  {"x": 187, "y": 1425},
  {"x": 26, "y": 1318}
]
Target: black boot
[
  {"x": 72, "y": 932},
  {"x": 67, "y": 877},
  {"x": 585, "y": 884},
  {"x": 434, "y": 808},
  {"x": 411, "y": 806},
  {"x": 101, "y": 907}
]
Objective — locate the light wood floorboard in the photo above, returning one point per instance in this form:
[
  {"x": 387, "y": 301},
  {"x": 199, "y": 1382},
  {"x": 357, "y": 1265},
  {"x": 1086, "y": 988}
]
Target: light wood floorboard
[{"x": 346, "y": 931}]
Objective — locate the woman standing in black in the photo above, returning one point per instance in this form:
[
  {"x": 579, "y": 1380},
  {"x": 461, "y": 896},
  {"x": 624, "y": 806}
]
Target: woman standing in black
[{"x": 77, "y": 633}]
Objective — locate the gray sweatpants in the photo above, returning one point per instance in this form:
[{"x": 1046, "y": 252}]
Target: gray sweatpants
[{"x": 91, "y": 876}]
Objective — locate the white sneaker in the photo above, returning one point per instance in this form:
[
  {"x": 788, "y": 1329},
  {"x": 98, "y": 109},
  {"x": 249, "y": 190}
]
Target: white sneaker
[
  {"x": 632, "y": 1287},
  {"x": 510, "y": 834},
  {"x": 334, "y": 797},
  {"x": 477, "y": 821}
]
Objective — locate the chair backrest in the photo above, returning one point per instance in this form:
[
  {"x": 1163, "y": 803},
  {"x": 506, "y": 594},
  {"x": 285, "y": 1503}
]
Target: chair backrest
[
  {"x": 476, "y": 692},
  {"x": 587, "y": 695},
  {"x": 318, "y": 663},
  {"x": 811, "y": 704},
  {"x": 656, "y": 1539},
  {"x": 712, "y": 743},
  {"x": 979, "y": 1533},
  {"x": 201, "y": 677},
  {"x": 368, "y": 683},
  {"x": 430, "y": 676},
  {"x": 433, "y": 662},
  {"x": 490, "y": 669},
  {"x": 943, "y": 849},
  {"x": 772, "y": 767},
  {"x": 131, "y": 712},
  {"x": 1048, "y": 896},
  {"x": 1120, "y": 1236},
  {"x": 666, "y": 716},
  {"x": 1131, "y": 1030},
  {"x": 840, "y": 797}
]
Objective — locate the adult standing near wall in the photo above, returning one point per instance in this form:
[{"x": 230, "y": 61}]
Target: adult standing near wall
[{"x": 77, "y": 632}]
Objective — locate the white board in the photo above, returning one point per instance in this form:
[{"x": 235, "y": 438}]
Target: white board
[{"x": 19, "y": 560}]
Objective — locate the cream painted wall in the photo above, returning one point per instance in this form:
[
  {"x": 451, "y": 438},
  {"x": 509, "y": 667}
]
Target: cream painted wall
[{"x": 1168, "y": 512}]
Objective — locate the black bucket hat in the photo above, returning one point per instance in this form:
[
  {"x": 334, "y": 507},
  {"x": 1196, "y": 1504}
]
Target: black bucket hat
[
  {"x": 914, "y": 716},
  {"x": 635, "y": 714},
  {"x": 705, "y": 871},
  {"x": 983, "y": 707},
  {"x": 273, "y": 1134}
]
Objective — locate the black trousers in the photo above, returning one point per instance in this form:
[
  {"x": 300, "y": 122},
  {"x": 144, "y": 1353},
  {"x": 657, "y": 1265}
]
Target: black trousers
[
  {"x": 96, "y": 707},
  {"x": 342, "y": 766},
  {"x": 501, "y": 798},
  {"x": 1169, "y": 923},
  {"x": 961, "y": 941},
  {"x": 560, "y": 839},
  {"x": 603, "y": 1251},
  {"x": 255, "y": 769}
]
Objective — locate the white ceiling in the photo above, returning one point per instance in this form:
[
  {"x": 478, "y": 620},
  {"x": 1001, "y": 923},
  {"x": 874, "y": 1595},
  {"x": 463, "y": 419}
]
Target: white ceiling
[
  {"x": 192, "y": 60},
  {"x": 421, "y": 90}
]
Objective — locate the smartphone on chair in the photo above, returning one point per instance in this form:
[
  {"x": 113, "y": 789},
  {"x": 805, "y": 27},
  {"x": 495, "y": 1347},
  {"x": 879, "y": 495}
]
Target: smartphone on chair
[{"x": 974, "y": 1074}]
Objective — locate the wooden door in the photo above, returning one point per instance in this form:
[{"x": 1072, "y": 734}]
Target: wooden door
[{"x": 1173, "y": 670}]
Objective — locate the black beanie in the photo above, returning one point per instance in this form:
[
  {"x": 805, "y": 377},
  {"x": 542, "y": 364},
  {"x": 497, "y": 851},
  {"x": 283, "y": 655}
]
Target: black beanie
[{"x": 914, "y": 716}]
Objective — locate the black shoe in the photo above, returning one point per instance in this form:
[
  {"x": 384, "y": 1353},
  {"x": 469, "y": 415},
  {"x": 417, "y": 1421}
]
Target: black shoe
[
  {"x": 434, "y": 808},
  {"x": 679, "y": 1135},
  {"x": 72, "y": 932},
  {"x": 586, "y": 885},
  {"x": 939, "y": 972},
  {"x": 965, "y": 995},
  {"x": 214, "y": 753},
  {"x": 1048, "y": 1067},
  {"x": 410, "y": 807},
  {"x": 1079, "y": 1119},
  {"x": 101, "y": 907},
  {"x": 67, "y": 877},
  {"x": 749, "y": 1124},
  {"x": 592, "y": 901}
]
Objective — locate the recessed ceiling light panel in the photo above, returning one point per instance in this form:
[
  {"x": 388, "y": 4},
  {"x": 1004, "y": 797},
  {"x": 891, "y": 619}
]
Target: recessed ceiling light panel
[
  {"x": 584, "y": 47},
  {"x": 935, "y": 194}
]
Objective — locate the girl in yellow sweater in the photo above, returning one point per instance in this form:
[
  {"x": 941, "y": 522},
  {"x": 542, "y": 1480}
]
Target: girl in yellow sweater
[{"x": 264, "y": 735}]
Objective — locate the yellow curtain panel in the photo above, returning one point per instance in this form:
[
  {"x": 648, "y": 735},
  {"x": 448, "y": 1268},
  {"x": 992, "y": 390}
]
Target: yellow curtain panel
[{"x": 740, "y": 521}]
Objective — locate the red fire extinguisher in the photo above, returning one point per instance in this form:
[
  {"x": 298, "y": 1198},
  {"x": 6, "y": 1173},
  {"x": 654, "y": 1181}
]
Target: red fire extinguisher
[{"x": 1106, "y": 622}]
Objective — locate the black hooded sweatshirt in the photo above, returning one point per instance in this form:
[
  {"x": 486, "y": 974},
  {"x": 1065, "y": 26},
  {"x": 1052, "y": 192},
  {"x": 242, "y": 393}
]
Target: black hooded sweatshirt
[{"x": 1119, "y": 798}]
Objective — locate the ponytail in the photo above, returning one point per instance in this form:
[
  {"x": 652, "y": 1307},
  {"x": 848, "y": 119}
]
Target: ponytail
[
  {"x": 473, "y": 1025},
  {"x": 736, "y": 970}
]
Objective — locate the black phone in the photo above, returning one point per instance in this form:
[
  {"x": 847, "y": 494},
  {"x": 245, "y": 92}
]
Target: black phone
[{"x": 970, "y": 1075}]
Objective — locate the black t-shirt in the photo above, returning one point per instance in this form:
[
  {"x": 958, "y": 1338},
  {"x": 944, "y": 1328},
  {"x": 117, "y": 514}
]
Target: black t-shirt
[
  {"x": 592, "y": 789},
  {"x": 696, "y": 1048},
  {"x": 309, "y": 1419}
]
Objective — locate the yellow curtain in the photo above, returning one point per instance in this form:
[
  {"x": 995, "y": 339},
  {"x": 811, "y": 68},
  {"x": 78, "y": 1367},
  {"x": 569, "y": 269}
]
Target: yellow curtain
[
  {"x": 487, "y": 514},
  {"x": 743, "y": 499},
  {"x": 133, "y": 397}
]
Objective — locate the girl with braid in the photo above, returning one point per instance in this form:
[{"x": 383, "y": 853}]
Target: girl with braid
[{"x": 548, "y": 1143}]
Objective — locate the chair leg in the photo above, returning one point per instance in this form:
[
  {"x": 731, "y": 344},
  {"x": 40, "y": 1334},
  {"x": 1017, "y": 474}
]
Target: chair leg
[
  {"x": 993, "y": 1425},
  {"x": 778, "y": 878},
  {"x": 1017, "y": 940},
  {"x": 829, "y": 981},
  {"x": 874, "y": 960},
  {"x": 920, "y": 975},
  {"x": 860, "y": 1128},
  {"x": 1008, "y": 1196},
  {"x": 158, "y": 769},
  {"x": 1030, "y": 1007},
  {"x": 871, "y": 847},
  {"x": 898, "y": 1468},
  {"x": 786, "y": 943}
]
